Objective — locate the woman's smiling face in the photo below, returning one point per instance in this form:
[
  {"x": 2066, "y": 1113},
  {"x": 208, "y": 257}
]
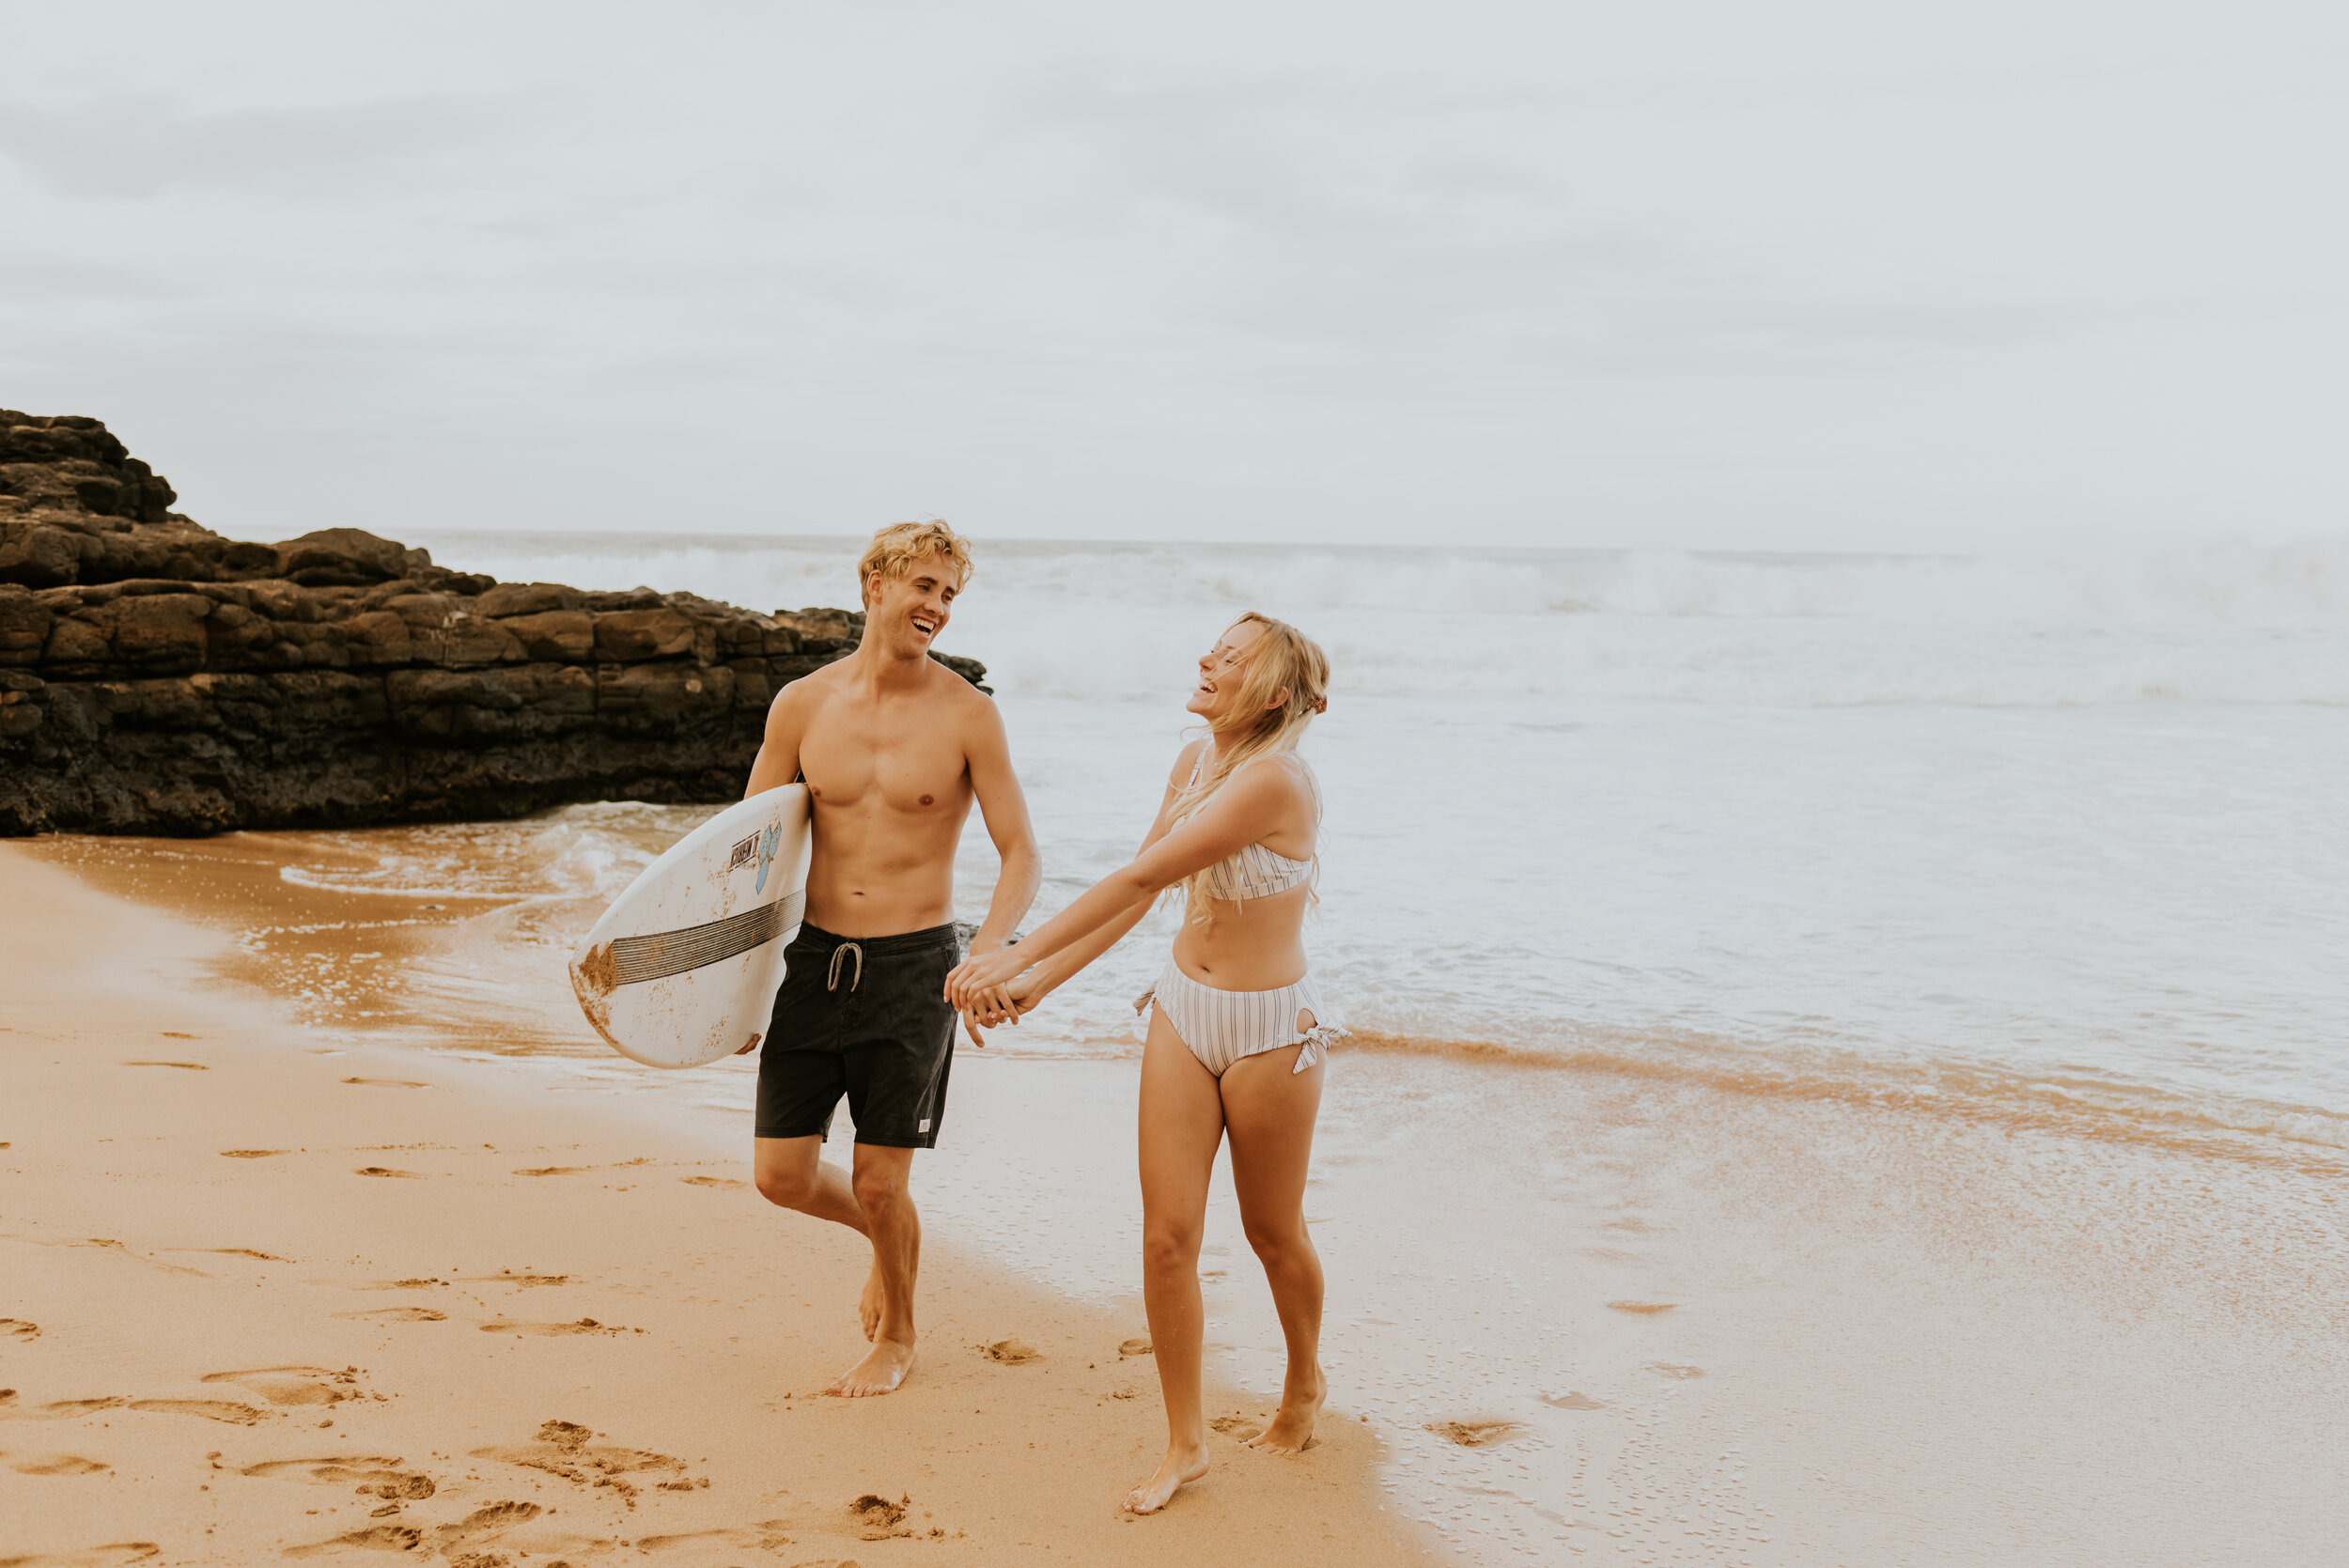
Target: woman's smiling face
[{"x": 1222, "y": 669}]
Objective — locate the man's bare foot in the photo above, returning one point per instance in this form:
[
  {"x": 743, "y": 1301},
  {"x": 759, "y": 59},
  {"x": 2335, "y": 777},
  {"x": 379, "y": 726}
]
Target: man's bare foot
[
  {"x": 1181, "y": 1464},
  {"x": 868, "y": 1306},
  {"x": 1292, "y": 1428},
  {"x": 883, "y": 1367}
]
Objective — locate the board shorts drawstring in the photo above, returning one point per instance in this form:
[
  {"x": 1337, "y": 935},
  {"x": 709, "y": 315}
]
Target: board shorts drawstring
[{"x": 831, "y": 976}]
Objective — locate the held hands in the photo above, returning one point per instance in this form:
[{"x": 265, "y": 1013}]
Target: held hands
[
  {"x": 982, "y": 973},
  {"x": 990, "y": 1009}
]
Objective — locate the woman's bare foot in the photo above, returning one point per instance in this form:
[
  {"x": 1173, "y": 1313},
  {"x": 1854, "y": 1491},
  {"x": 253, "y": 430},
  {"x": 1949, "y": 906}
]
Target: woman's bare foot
[
  {"x": 1292, "y": 1428},
  {"x": 1181, "y": 1464},
  {"x": 883, "y": 1367},
  {"x": 868, "y": 1306}
]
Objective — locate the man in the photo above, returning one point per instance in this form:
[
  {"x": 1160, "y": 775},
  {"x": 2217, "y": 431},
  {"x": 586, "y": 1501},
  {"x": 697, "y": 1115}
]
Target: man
[{"x": 895, "y": 747}]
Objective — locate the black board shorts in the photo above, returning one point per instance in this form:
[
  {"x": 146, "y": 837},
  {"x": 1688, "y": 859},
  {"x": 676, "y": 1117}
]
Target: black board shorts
[{"x": 866, "y": 1018}]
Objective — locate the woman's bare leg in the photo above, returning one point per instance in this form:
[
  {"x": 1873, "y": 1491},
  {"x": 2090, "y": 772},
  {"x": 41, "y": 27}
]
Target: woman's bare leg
[
  {"x": 1270, "y": 1111},
  {"x": 1181, "y": 1125}
]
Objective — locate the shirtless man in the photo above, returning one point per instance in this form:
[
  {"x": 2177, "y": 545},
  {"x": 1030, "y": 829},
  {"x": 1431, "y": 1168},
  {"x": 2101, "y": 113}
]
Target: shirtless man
[{"x": 894, "y": 747}]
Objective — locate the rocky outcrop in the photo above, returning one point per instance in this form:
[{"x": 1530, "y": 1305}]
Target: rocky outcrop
[{"x": 158, "y": 678}]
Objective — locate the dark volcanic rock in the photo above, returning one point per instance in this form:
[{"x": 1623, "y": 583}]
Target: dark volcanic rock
[{"x": 158, "y": 678}]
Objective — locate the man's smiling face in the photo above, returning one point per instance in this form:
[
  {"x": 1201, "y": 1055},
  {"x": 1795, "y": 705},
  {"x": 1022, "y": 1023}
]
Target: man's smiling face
[{"x": 907, "y": 613}]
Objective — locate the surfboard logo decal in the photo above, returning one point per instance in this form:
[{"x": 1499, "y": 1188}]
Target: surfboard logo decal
[
  {"x": 742, "y": 853},
  {"x": 633, "y": 960},
  {"x": 766, "y": 843}
]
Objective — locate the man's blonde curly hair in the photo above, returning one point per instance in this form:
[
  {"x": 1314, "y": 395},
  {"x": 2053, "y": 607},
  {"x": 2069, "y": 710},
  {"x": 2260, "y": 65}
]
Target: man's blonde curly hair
[{"x": 896, "y": 548}]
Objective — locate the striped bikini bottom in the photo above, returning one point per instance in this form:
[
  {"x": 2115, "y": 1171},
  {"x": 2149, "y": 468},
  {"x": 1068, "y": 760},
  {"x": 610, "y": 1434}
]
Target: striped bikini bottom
[{"x": 1224, "y": 1027}]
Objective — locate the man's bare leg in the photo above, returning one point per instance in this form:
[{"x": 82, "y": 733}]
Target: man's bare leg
[
  {"x": 879, "y": 1189},
  {"x": 791, "y": 1173},
  {"x": 868, "y": 1305}
]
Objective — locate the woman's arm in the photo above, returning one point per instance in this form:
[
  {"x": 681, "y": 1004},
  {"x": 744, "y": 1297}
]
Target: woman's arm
[
  {"x": 1033, "y": 985},
  {"x": 1243, "y": 811},
  {"x": 1041, "y": 980}
]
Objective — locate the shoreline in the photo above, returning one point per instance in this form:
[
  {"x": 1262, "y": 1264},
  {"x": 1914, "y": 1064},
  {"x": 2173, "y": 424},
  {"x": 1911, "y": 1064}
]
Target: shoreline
[{"x": 272, "y": 1291}]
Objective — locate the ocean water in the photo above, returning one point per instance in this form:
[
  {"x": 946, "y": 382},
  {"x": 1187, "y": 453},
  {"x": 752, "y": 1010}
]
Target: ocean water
[{"x": 2055, "y": 840}]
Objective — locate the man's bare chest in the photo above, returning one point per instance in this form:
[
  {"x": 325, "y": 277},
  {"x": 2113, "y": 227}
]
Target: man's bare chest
[{"x": 854, "y": 758}]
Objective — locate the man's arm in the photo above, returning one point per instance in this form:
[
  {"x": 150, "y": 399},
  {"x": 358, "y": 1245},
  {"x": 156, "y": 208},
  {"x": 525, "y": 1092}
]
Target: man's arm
[
  {"x": 1004, "y": 808},
  {"x": 778, "y": 760}
]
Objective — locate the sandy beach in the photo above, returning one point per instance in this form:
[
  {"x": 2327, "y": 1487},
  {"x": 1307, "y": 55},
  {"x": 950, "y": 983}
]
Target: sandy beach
[
  {"x": 257, "y": 1182},
  {"x": 269, "y": 1294}
]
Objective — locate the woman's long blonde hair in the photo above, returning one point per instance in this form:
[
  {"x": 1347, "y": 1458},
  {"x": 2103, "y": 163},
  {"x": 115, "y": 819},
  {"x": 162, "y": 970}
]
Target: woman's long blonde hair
[{"x": 1285, "y": 682}]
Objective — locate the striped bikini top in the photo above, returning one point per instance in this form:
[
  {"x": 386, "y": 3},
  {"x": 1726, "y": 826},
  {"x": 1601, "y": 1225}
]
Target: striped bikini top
[{"x": 1255, "y": 871}]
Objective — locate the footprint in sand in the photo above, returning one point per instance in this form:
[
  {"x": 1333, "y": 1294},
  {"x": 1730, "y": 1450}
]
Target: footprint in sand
[
  {"x": 112, "y": 1556},
  {"x": 377, "y": 1477},
  {"x": 59, "y": 1464},
  {"x": 555, "y": 1170},
  {"x": 583, "y": 1325},
  {"x": 232, "y": 1252},
  {"x": 297, "y": 1384},
  {"x": 878, "y": 1518},
  {"x": 1134, "y": 1347},
  {"x": 398, "y": 1315},
  {"x": 382, "y": 1537},
  {"x": 210, "y": 1409},
  {"x": 768, "y": 1536},
  {"x": 1477, "y": 1434},
  {"x": 252, "y": 1154},
  {"x": 564, "y": 1448},
  {"x": 483, "y": 1523},
  {"x": 508, "y": 1277},
  {"x": 383, "y": 1082},
  {"x": 1011, "y": 1353},
  {"x": 1239, "y": 1428},
  {"x": 1571, "y": 1401},
  {"x": 711, "y": 1181},
  {"x": 380, "y": 1284},
  {"x": 1666, "y": 1368},
  {"x": 387, "y": 1171},
  {"x": 17, "y": 1328},
  {"x": 183, "y": 1066},
  {"x": 118, "y": 1246},
  {"x": 61, "y": 1409},
  {"x": 1649, "y": 1307}
]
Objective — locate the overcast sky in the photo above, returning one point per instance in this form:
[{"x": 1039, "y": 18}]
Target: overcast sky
[{"x": 1799, "y": 274}]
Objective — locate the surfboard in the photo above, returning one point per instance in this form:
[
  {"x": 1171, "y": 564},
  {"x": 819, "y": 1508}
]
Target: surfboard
[{"x": 682, "y": 969}]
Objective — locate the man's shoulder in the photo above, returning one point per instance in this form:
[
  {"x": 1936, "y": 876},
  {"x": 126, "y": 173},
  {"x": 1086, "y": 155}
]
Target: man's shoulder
[
  {"x": 953, "y": 694},
  {"x": 823, "y": 679},
  {"x": 800, "y": 700}
]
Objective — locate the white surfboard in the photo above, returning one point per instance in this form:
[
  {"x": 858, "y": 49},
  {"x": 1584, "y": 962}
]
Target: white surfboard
[{"x": 682, "y": 969}]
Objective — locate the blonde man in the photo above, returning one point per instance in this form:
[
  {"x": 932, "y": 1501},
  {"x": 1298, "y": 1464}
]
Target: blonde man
[{"x": 895, "y": 747}]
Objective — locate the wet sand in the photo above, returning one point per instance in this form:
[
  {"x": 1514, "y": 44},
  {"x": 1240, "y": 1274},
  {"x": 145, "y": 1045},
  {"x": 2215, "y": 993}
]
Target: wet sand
[{"x": 271, "y": 1290}]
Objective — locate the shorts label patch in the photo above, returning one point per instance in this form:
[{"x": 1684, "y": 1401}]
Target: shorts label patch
[{"x": 925, "y": 1126}]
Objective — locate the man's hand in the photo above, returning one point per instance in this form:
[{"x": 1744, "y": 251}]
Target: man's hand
[{"x": 982, "y": 973}]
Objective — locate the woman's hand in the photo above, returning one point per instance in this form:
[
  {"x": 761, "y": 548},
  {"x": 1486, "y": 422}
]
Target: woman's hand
[
  {"x": 980, "y": 973},
  {"x": 1026, "y": 994}
]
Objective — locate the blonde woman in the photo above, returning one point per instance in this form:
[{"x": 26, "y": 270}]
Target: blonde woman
[{"x": 1238, "y": 1031}]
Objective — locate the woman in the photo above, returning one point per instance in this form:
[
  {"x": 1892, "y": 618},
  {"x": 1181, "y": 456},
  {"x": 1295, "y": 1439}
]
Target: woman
[{"x": 1237, "y": 1035}]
